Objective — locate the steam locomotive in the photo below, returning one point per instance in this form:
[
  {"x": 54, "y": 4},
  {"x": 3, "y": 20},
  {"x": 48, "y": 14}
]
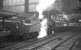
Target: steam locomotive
[{"x": 16, "y": 27}]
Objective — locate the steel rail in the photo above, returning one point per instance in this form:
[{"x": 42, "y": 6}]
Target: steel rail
[
  {"x": 70, "y": 39},
  {"x": 49, "y": 46},
  {"x": 42, "y": 43},
  {"x": 38, "y": 42}
]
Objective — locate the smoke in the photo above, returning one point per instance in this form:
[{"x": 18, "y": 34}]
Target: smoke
[{"x": 41, "y": 7}]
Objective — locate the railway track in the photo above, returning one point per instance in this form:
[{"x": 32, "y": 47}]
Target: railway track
[
  {"x": 68, "y": 45},
  {"x": 25, "y": 43},
  {"x": 47, "y": 43},
  {"x": 53, "y": 43}
]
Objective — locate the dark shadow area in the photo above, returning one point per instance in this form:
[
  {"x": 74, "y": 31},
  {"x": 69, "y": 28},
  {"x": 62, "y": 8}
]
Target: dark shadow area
[{"x": 14, "y": 39}]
